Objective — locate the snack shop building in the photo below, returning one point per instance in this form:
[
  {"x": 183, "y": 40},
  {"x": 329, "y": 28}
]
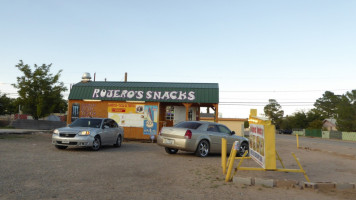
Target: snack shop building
[{"x": 141, "y": 108}]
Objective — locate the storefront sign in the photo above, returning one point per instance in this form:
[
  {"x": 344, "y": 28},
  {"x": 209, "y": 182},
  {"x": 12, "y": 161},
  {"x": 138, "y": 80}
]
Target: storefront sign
[
  {"x": 127, "y": 114},
  {"x": 144, "y": 95},
  {"x": 257, "y": 144},
  {"x": 150, "y": 122}
]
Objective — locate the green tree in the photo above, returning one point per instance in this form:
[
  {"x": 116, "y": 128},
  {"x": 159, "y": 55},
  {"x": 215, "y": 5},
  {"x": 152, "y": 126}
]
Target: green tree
[
  {"x": 326, "y": 105},
  {"x": 314, "y": 119},
  {"x": 7, "y": 105},
  {"x": 274, "y": 111},
  {"x": 346, "y": 112},
  {"x": 39, "y": 90}
]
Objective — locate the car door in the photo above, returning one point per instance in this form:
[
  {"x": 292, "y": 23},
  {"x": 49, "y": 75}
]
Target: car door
[
  {"x": 230, "y": 138},
  {"x": 215, "y": 137},
  {"x": 107, "y": 132}
]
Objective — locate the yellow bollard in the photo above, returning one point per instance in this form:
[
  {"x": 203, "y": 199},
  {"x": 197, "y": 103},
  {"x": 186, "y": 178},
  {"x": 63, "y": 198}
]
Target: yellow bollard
[
  {"x": 231, "y": 164},
  {"x": 223, "y": 154},
  {"x": 297, "y": 141}
]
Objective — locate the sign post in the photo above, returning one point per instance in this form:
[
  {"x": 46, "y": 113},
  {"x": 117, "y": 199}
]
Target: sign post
[{"x": 262, "y": 149}]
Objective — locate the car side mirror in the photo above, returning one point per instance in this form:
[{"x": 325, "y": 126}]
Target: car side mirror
[
  {"x": 232, "y": 132},
  {"x": 105, "y": 127}
]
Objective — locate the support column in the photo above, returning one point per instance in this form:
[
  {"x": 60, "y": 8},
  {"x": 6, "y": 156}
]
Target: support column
[
  {"x": 216, "y": 118},
  {"x": 187, "y": 107}
]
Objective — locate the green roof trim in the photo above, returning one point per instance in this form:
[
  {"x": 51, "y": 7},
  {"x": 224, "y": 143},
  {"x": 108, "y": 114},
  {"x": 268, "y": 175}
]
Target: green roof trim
[{"x": 146, "y": 91}]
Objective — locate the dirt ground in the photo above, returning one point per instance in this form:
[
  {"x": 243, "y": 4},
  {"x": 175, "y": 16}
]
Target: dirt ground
[{"x": 31, "y": 168}]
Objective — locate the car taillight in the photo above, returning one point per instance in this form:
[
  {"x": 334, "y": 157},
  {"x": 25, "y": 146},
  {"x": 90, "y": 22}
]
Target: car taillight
[{"x": 188, "y": 134}]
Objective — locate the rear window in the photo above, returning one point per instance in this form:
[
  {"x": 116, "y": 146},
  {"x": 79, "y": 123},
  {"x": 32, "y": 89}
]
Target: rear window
[{"x": 190, "y": 125}]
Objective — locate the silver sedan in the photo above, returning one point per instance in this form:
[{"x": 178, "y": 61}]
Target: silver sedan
[
  {"x": 89, "y": 132},
  {"x": 200, "y": 137}
]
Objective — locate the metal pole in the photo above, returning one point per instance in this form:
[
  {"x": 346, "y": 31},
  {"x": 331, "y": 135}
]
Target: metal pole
[{"x": 223, "y": 154}]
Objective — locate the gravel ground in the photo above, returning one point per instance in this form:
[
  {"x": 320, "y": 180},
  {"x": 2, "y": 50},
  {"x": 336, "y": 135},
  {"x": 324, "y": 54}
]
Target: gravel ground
[{"x": 31, "y": 168}]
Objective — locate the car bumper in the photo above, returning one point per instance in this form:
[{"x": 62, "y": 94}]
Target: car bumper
[
  {"x": 177, "y": 143},
  {"x": 80, "y": 141}
]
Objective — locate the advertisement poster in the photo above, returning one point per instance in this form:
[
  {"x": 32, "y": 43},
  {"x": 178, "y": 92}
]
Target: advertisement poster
[
  {"x": 150, "y": 121},
  {"x": 257, "y": 144},
  {"x": 127, "y": 114}
]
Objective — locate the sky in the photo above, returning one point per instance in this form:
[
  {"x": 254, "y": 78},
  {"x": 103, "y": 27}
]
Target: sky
[{"x": 291, "y": 51}]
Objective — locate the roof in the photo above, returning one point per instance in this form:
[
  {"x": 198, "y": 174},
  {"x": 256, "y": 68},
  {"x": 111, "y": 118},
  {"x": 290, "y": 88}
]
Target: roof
[{"x": 146, "y": 91}]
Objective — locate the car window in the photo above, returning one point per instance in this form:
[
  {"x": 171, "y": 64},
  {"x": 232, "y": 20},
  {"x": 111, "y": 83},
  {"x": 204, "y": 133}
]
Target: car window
[
  {"x": 224, "y": 129},
  {"x": 190, "y": 125},
  {"x": 108, "y": 123},
  {"x": 213, "y": 128}
]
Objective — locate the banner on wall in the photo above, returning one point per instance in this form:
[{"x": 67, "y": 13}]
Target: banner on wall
[
  {"x": 127, "y": 114},
  {"x": 150, "y": 120},
  {"x": 257, "y": 144}
]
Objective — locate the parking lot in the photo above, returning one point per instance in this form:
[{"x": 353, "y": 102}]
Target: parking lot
[{"x": 31, "y": 168}]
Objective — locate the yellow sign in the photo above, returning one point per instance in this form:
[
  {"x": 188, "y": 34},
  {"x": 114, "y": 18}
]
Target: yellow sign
[{"x": 127, "y": 114}]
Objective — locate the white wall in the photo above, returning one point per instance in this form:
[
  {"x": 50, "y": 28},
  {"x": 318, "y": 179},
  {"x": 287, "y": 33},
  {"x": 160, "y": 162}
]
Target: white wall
[{"x": 179, "y": 114}]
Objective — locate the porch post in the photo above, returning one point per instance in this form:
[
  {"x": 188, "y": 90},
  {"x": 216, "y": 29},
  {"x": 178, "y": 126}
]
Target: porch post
[{"x": 187, "y": 106}]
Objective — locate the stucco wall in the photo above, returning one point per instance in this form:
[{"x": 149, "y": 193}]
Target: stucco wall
[{"x": 236, "y": 125}]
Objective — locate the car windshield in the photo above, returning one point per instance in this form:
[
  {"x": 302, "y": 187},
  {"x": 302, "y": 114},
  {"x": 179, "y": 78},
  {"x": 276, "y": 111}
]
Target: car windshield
[
  {"x": 93, "y": 123},
  {"x": 190, "y": 125}
]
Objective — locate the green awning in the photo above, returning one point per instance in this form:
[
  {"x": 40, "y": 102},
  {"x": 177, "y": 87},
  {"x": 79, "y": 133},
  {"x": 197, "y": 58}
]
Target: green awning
[{"x": 146, "y": 91}]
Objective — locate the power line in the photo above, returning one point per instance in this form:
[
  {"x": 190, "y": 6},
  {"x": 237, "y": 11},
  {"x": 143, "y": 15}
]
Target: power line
[{"x": 282, "y": 91}]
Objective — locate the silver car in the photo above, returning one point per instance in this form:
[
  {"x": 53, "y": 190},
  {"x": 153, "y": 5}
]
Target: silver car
[
  {"x": 200, "y": 137},
  {"x": 89, "y": 132}
]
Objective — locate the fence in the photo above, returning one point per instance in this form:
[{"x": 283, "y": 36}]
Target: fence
[{"x": 349, "y": 136}]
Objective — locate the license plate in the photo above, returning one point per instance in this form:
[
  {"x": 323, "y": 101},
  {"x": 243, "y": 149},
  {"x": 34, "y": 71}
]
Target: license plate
[
  {"x": 168, "y": 141},
  {"x": 65, "y": 142}
]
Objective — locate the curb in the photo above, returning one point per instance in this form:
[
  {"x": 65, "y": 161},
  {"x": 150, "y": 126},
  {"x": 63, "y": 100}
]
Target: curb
[{"x": 270, "y": 183}]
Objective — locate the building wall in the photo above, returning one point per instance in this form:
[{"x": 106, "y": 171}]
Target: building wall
[
  {"x": 100, "y": 109},
  {"x": 236, "y": 125}
]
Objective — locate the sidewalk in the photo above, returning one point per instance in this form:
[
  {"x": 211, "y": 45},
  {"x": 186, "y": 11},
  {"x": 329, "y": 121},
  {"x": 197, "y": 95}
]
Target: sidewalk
[{"x": 22, "y": 131}]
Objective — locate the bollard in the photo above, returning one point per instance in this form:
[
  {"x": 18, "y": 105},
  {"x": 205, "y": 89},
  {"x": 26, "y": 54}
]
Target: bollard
[
  {"x": 297, "y": 141},
  {"x": 223, "y": 154}
]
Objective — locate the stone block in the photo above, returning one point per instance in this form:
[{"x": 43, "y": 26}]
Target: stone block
[
  {"x": 345, "y": 186},
  {"x": 243, "y": 180},
  {"x": 264, "y": 182}
]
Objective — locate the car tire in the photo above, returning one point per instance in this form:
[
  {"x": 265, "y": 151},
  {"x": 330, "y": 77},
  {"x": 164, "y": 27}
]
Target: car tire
[
  {"x": 118, "y": 141},
  {"x": 96, "y": 144},
  {"x": 203, "y": 149},
  {"x": 60, "y": 147},
  {"x": 170, "y": 150},
  {"x": 243, "y": 148}
]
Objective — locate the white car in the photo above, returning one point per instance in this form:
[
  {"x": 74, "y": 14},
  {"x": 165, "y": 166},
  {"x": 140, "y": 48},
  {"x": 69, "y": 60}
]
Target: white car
[{"x": 89, "y": 132}]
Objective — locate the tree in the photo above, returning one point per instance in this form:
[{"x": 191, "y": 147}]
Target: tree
[
  {"x": 327, "y": 104},
  {"x": 346, "y": 112},
  {"x": 39, "y": 90},
  {"x": 7, "y": 105},
  {"x": 274, "y": 111}
]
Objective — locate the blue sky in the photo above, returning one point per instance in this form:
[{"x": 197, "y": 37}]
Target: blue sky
[{"x": 291, "y": 51}]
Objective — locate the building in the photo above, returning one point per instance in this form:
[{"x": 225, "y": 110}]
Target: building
[
  {"x": 142, "y": 108},
  {"x": 329, "y": 124}
]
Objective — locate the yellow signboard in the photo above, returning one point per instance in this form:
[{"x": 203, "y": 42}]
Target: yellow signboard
[
  {"x": 262, "y": 141},
  {"x": 127, "y": 114}
]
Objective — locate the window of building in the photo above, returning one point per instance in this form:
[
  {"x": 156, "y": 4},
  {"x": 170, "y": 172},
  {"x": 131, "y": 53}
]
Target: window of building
[{"x": 169, "y": 112}]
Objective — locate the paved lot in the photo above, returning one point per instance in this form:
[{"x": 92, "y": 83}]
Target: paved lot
[{"x": 31, "y": 168}]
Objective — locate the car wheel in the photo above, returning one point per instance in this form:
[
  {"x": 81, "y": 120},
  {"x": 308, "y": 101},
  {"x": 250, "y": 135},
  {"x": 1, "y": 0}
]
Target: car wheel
[
  {"x": 118, "y": 141},
  {"x": 243, "y": 148},
  {"x": 60, "y": 147},
  {"x": 170, "y": 150},
  {"x": 96, "y": 144},
  {"x": 202, "y": 149}
]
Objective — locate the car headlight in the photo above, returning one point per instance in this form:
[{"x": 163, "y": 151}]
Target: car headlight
[
  {"x": 84, "y": 133},
  {"x": 56, "y": 131}
]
